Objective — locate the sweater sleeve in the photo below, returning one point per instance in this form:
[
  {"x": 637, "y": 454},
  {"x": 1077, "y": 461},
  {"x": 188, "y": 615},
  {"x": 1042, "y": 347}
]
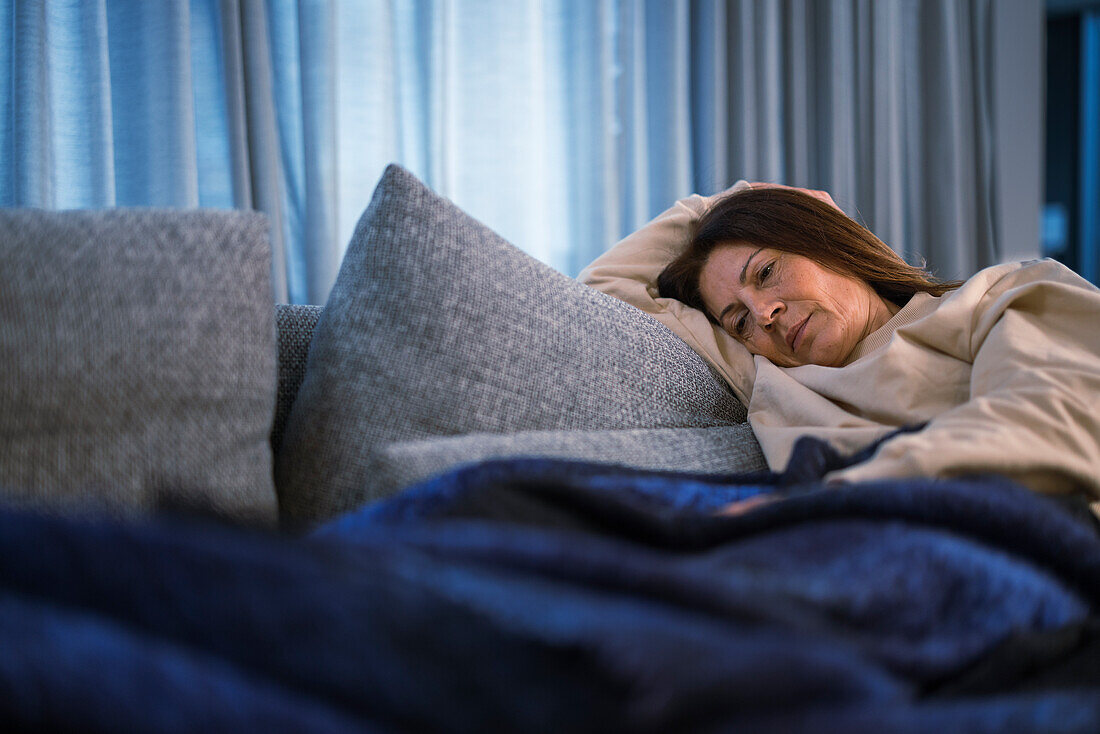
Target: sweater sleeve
[
  {"x": 1034, "y": 408},
  {"x": 629, "y": 270}
]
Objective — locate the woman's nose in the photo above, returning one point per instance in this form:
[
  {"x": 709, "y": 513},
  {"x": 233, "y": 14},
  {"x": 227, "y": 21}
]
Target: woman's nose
[{"x": 767, "y": 311}]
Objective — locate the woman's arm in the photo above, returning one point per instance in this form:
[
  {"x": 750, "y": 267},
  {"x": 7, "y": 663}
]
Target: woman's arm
[
  {"x": 629, "y": 270},
  {"x": 1034, "y": 408}
]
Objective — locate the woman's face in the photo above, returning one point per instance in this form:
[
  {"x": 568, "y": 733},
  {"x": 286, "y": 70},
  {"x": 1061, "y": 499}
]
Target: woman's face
[{"x": 787, "y": 307}]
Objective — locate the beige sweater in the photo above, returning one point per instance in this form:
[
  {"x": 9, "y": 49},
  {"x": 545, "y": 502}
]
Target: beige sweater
[{"x": 1005, "y": 371}]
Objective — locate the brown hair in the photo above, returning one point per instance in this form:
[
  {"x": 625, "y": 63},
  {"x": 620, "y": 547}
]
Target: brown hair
[{"x": 795, "y": 222}]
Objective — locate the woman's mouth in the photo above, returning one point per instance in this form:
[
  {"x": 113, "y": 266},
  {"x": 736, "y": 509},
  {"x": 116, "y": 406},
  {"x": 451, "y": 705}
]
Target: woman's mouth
[{"x": 794, "y": 336}]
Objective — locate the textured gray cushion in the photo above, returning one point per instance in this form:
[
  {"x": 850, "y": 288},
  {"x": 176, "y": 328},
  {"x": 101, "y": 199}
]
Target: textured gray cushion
[
  {"x": 438, "y": 327},
  {"x": 716, "y": 450},
  {"x": 137, "y": 361},
  {"x": 706, "y": 450}
]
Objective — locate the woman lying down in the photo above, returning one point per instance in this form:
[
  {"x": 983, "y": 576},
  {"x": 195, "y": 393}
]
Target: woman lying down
[{"x": 822, "y": 330}]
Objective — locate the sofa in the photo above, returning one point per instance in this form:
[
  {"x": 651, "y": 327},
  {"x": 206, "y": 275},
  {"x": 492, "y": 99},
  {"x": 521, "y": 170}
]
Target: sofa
[
  {"x": 466, "y": 494},
  {"x": 441, "y": 344},
  {"x": 725, "y": 447}
]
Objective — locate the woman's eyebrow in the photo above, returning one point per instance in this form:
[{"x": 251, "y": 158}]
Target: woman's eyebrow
[
  {"x": 726, "y": 310},
  {"x": 746, "y": 267}
]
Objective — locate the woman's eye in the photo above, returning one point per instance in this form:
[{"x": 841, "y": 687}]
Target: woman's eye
[
  {"x": 765, "y": 272},
  {"x": 740, "y": 324}
]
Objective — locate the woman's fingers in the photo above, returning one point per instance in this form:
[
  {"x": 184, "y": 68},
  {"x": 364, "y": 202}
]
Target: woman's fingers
[{"x": 740, "y": 507}]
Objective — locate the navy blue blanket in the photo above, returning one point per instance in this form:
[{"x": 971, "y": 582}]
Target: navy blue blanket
[{"x": 534, "y": 595}]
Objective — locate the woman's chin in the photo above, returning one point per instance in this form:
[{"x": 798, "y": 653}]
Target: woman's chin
[{"x": 825, "y": 354}]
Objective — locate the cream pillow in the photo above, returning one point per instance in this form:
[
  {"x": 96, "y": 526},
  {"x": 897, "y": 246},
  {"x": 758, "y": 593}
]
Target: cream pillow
[{"x": 629, "y": 270}]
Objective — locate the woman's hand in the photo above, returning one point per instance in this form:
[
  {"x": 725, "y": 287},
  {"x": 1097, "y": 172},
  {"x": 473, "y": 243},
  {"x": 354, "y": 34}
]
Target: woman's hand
[
  {"x": 740, "y": 507},
  {"x": 819, "y": 195}
]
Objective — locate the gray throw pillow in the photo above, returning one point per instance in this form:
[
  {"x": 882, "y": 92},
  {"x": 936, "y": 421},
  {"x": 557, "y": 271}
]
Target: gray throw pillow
[
  {"x": 438, "y": 327},
  {"x": 137, "y": 362}
]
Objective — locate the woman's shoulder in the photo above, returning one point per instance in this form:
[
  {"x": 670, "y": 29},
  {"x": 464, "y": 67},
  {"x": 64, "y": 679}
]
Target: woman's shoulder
[
  {"x": 629, "y": 271},
  {"x": 998, "y": 279},
  {"x": 1036, "y": 290},
  {"x": 1038, "y": 269}
]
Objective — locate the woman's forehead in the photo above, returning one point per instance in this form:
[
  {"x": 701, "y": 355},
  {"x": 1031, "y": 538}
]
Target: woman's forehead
[
  {"x": 730, "y": 260},
  {"x": 725, "y": 272}
]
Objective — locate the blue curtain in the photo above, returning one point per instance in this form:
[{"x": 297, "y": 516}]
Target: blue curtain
[
  {"x": 1089, "y": 204},
  {"x": 562, "y": 124},
  {"x": 112, "y": 104}
]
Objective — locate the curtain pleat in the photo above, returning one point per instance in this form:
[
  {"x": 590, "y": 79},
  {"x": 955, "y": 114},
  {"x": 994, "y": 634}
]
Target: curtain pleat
[
  {"x": 1089, "y": 184},
  {"x": 211, "y": 84},
  {"x": 267, "y": 181},
  {"x": 631, "y": 123},
  {"x": 56, "y": 107},
  {"x": 318, "y": 235},
  {"x": 373, "y": 120},
  {"x": 800, "y": 90},
  {"x": 585, "y": 103},
  {"x": 152, "y": 103},
  {"x": 667, "y": 110},
  {"x": 32, "y": 94},
  {"x": 231, "y": 24},
  {"x": 887, "y": 166},
  {"x": 709, "y": 96}
]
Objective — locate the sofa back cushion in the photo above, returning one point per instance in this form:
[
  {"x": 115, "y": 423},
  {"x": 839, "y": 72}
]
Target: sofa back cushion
[
  {"x": 438, "y": 327},
  {"x": 137, "y": 362},
  {"x": 294, "y": 325}
]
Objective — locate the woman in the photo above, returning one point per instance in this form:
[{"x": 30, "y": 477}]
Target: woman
[{"x": 823, "y": 331}]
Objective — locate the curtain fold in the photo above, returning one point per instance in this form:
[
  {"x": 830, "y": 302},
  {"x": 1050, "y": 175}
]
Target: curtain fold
[
  {"x": 300, "y": 50},
  {"x": 1089, "y": 184},
  {"x": 263, "y": 151},
  {"x": 710, "y": 111},
  {"x": 563, "y": 124},
  {"x": 152, "y": 103},
  {"x": 55, "y": 73}
]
